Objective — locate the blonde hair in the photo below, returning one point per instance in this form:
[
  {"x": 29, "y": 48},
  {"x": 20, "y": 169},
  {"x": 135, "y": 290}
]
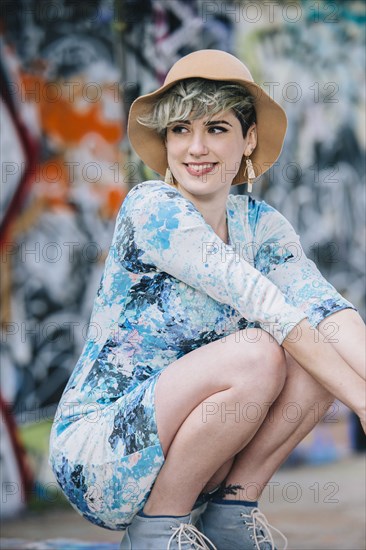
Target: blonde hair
[{"x": 194, "y": 98}]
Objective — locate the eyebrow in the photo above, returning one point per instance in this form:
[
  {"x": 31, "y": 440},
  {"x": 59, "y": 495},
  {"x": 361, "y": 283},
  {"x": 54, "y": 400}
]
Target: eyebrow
[
  {"x": 214, "y": 122},
  {"x": 210, "y": 122}
]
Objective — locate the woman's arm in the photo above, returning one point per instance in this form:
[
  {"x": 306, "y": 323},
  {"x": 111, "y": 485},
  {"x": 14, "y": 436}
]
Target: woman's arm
[
  {"x": 345, "y": 330},
  {"x": 334, "y": 352},
  {"x": 281, "y": 258},
  {"x": 324, "y": 362},
  {"x": 158, "y": 229}
]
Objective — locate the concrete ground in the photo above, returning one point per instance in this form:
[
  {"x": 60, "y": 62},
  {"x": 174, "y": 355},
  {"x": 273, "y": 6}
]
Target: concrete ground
[
  {"x": 317, "y": 507},
  {"x": 320, "y": 508}
]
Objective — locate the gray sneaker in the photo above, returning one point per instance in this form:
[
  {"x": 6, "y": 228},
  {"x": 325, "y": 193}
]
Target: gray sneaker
[
  {"x": 236, "y": 527},
  {"x": 164, "y": 534}
]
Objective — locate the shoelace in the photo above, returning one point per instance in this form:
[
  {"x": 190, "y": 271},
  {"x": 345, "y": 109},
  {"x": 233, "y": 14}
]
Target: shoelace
[
  {"x": 191, "y": 536},
  {"x": 259, "y": 523}
]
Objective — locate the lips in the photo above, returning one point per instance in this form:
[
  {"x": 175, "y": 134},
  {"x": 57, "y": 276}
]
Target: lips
[{"x": 200, "y": 169}]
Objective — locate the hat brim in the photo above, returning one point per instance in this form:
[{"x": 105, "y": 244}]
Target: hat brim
[{"x": 271, "y": 123}]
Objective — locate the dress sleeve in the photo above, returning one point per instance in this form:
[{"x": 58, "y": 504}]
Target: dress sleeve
[
  {"x": 159, "y": 229},
  {"x": 280, "y": 257}
]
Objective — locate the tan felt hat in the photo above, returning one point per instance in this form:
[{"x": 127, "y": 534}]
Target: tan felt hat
[{"x": 211, "y": 65}]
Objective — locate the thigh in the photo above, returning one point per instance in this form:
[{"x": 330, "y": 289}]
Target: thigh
[{"x": 235, "y": 360}]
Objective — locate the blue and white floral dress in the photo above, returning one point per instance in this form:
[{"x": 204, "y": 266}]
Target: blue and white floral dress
[{"x": 170, "y": 285}]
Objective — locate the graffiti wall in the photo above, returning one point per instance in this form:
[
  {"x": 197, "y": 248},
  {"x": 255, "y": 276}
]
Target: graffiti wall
[
  {"x": 70, "y": 70},
  {"x": 156, "y": 33},
  {"x": 62, "y": 185},
  {"x": 61, "y": 84},
  {"x": 309, "y": 57},
  {"x": 62, "y": 64}
]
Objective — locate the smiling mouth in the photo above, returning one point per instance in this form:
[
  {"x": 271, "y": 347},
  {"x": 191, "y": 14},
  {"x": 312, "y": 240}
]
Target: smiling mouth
[{"x": 200, "y": 169}]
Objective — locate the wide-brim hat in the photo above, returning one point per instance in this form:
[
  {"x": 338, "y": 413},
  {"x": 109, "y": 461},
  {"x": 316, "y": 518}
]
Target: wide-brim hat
[{"x": 211, "y": 65}]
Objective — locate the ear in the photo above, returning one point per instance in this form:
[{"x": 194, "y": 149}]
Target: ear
[{"x": 251, "y": 140}]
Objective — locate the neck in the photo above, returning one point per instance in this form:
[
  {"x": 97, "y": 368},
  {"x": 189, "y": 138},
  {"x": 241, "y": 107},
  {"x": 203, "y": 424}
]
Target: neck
[{"x": 213, "y": 210}]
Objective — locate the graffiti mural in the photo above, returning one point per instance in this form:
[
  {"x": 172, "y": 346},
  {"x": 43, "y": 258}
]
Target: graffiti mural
[
  {"x": 63, "y": 125},
  {"x": 298, "y": 54},
  {"x": 66, "y": 64},
  {"x": 156, "y": 33}
]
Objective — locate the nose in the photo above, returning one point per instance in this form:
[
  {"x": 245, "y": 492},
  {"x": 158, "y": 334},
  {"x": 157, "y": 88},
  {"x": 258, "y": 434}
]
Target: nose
[{"x": 197, "y": 146}]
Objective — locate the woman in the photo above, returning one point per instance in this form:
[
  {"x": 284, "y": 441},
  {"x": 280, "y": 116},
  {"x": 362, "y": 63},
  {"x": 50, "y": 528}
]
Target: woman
[{"x": 210, "y": 321}]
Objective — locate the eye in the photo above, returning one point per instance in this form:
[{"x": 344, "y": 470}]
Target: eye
[
  {"x": 178, "y": 129},
  {"x": 217, "y": 130}
]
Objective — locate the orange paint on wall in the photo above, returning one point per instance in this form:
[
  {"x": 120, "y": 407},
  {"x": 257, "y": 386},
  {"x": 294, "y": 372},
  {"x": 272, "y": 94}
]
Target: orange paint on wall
[
  {"x": 66, "y": 115},
  {"x": 64, "y": 122},
  {"x": 80, "y": 131}
]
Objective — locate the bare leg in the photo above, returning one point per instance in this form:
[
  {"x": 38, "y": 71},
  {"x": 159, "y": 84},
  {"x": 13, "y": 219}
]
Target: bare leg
[
  {"x": 197, "y": 402},
  {"x": 296, "y": 411}
]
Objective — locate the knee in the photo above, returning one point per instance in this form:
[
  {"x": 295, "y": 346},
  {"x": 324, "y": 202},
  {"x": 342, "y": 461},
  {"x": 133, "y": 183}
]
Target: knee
[
  {"x": 270, "y": 364},
  {"x": 265, "y": 363}
]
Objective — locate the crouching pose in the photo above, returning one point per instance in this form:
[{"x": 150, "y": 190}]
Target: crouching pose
[{"x": 210, "y": 322}]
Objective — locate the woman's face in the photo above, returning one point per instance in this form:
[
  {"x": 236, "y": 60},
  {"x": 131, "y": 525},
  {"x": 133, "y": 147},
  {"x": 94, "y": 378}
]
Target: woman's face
[{"x": 204, "y": 155}]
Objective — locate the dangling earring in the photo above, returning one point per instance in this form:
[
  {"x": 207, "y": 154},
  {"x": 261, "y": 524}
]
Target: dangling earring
[
  {"x": 168, "y": 177},
  {"x": 251, "y": 174}
]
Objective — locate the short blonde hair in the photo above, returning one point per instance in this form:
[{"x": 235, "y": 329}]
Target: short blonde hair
[{"x": 194, "y": 98}]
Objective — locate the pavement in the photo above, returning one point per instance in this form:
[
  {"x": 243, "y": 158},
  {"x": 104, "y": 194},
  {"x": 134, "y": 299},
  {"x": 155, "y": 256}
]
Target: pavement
[{"x": 319, "y": 507}]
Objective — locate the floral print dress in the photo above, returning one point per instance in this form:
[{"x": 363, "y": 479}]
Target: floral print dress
[{"x": 170, "y": 285}]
